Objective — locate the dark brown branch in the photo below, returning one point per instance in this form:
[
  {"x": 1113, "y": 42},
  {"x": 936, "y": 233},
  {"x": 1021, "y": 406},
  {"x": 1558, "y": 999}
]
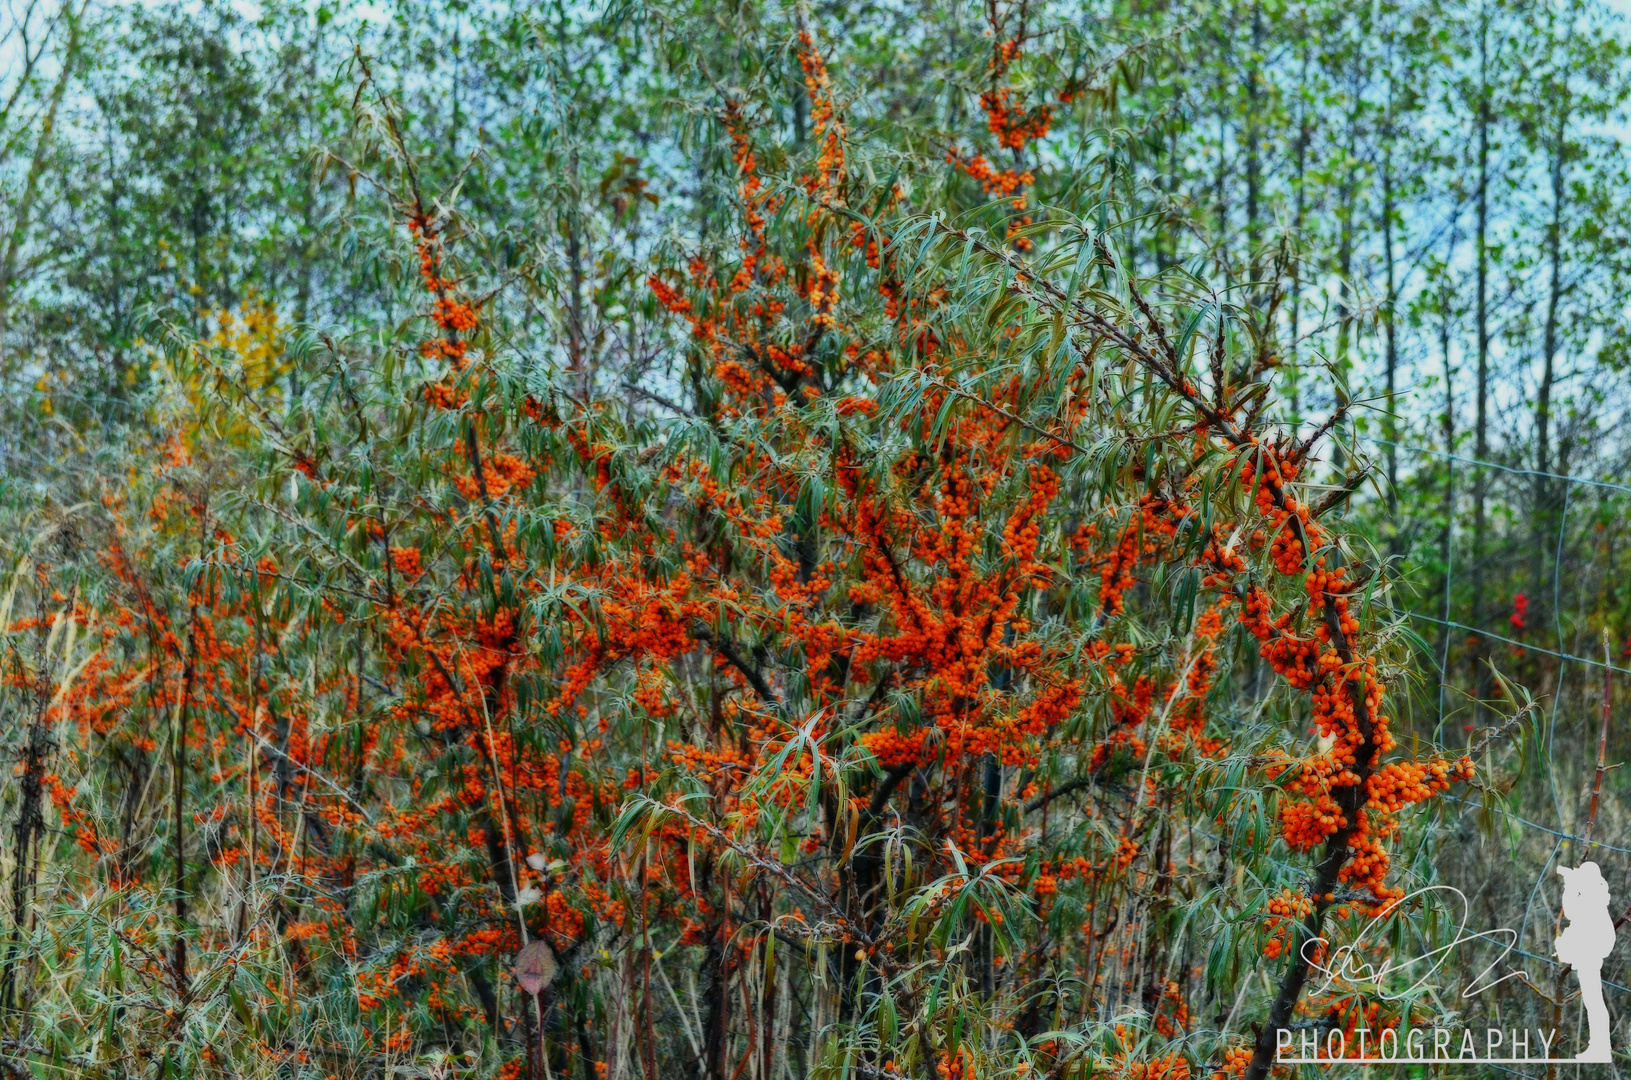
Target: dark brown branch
[
  {"x": 725, "y": 648},
  {"x": 1063, "y": 789},
  {"x": 886, "y": 788},
  {"x": 1350, "y": 484},
  {"x": 472, "y": 450}
]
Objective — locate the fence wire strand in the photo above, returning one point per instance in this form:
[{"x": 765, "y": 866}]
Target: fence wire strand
[{"x": 1446, "y": 620}]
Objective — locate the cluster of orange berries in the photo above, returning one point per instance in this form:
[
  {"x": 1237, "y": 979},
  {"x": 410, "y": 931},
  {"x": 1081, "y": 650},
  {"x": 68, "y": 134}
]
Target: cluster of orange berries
[
  {"x": 858, "y": 237},
  {"x": 826, "y": 126},
  {"x": 1286, "y": 551},
  {"x": 1225, "y": 560},
  {"x": 453, "y": 315},
  {"x": 1320, "y": 773},
  {"x": 1334, "y": 712},
  {"x": 407, "y": 562},
  {"x": 1305, "y": 824},
  {"x": 1278, "y": 468},
  {"x": 893, "y": 748},
  {"x": 1235, "y": 1061},
  {"x": 1368, "y": 866},
  {"x": 1339, "y": 689},
  {"x": 1296, "y": 660},
  {"x": 822, "y": 288},
  {"x": 1012, "y": 124},
  {"x": 748, "y": 191},
  {"x": 1174, "y": 1021},
  {"x": 1123, "y": 1065},
  {"x": 1400, "y": 783},
  {"x": 1284, "y": 911},
  {"x": 499, "y": 475},
  {"x": 1357, "y": 1015},
  {"x": 1135, "y": 709},
  {"x": 1023, "y": 243},
  {"x": 1321, "y": 582},
  {"x": 677, "y": 304},
  {"x": 1155, "y": 523},
  {"x": 1002, "y": 183}
]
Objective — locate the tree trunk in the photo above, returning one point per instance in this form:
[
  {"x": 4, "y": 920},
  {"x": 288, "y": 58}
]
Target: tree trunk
[
  {"x": 1390, "y": 418},
  {"x": 26, "y": 201},
  {"x": 1299, "y": 218},
  {"x": 716, "y": 983},
  {"x": 1345, "y": 253},
  {"x": 1447, "y": 530},
  {"x": 1481, "y": 414},
  {"x": 1254, "y": 166},
  {"x": 1544, "y": 511},
  {"x": 30, "y": 820}
]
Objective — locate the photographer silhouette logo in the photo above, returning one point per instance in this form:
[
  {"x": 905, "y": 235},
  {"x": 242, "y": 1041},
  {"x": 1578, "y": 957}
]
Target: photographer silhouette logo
[{"x": 1583, "y": 945}]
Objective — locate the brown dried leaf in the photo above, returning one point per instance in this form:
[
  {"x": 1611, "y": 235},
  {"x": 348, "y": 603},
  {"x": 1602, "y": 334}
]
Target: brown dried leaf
[{"x": 535, "y": 966}]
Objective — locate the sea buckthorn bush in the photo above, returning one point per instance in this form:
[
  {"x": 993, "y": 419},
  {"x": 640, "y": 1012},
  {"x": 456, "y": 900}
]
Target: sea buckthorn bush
[{"x": 941, "y": 662}]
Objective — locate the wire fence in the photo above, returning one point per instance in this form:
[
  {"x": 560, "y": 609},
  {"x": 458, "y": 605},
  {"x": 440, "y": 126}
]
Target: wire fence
[
  {"x": 1543, "y": 517},
  {"x": 1498, "y": 467}
]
